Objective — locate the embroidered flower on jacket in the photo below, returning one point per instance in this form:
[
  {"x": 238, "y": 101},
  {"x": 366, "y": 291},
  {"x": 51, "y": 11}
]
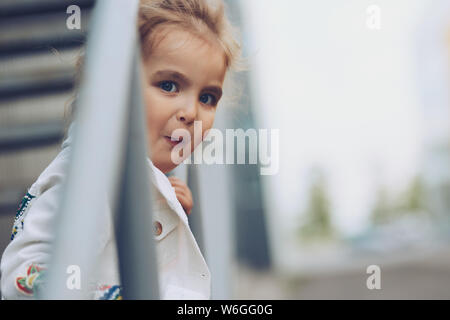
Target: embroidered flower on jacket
[
  {"x": 27, "y": 284},
  {"x": 108, "y": 292},
  {"x": 20, "y": 214}
]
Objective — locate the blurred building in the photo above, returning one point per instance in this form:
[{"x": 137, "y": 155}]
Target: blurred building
[{"x": 433, "y": 63}]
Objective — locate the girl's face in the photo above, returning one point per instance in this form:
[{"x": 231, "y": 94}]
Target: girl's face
[{"x": 184, "y": 75}]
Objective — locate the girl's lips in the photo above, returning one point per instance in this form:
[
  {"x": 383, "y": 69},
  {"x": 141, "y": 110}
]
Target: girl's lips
[{"x": 172, "y": 143}]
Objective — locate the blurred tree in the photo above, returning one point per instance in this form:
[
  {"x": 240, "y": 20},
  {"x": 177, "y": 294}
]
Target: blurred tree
[
  {"x": 414, "y": 199},
  {"x": 317, "y": 218},
  {"x": 382, "y": 210},
  {"x": 411, "y": 201}
]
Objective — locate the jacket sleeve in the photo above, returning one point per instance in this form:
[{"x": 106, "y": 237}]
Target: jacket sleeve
[{"x": 26, "y": 258}]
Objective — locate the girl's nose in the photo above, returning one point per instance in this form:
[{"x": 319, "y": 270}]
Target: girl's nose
[{"x": 188, "y": 113}]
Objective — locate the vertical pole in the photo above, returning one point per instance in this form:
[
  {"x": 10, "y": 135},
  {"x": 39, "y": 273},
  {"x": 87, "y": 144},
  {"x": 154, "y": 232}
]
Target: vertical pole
[
  {"x": 196, "y": 217},
  {"x": 97, "y": 150},
  {"x": 136, "y": 246},
  {"x": 214, "y": 183}
]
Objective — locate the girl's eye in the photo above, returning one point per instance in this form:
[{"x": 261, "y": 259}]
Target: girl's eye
[
  {"x": 168, "y": 86},
  {"x": 208, "y": 99}
]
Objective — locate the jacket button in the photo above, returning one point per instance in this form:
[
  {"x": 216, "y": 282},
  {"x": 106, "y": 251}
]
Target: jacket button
[{"x": 157, "y": 228}]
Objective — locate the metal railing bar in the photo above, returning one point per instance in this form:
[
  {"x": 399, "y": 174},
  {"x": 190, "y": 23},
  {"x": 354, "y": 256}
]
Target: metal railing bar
[
  {"x": 92, "y": 180},
  {"x": 195, "y": 219},
  {"x": 136, "y": 247}
]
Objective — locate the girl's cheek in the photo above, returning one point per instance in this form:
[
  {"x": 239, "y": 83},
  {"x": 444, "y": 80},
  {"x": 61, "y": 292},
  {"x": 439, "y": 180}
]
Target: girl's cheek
[{"x": 207, "y": 125}]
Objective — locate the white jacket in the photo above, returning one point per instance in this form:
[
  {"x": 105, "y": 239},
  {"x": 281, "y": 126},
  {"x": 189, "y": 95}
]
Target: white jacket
[{"x": 182, "y": 270}]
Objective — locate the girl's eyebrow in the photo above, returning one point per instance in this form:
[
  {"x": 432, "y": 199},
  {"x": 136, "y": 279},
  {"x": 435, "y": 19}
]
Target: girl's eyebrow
[
  {"x": 172, "y": 74},
  {"x": 216, "y": 90}
]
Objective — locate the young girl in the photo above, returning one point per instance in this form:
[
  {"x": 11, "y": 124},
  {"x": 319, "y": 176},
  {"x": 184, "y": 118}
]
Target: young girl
[{"x": 187, "y": 49}]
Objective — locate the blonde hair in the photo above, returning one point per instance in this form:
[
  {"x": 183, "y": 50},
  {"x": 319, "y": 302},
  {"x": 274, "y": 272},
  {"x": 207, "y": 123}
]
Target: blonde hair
[
  {"x": 201, "y": 17},
  {"x": 197, "y": 16}
]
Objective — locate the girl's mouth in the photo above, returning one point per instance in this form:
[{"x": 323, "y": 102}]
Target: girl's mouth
[{"x": 173, "y": 142}]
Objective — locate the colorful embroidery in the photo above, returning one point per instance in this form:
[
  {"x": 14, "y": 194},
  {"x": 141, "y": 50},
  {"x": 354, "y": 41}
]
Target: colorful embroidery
[
  {"x": 20, "y": 215},
  {"x": 27, "y": 284},
  {"x": 108, "y": 292}
]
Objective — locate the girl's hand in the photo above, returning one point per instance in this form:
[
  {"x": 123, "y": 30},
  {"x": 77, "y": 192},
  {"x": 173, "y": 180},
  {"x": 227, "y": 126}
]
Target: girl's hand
[{"x": 183, "y": 194}]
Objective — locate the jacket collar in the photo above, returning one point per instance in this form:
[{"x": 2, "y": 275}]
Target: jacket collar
[
  {"x": 162, "y": 184},
  {"x": 159, "y": 180}
]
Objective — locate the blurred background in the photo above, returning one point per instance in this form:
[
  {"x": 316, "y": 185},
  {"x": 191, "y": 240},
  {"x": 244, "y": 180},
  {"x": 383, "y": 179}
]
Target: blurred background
[{"x": 359, "y": 90}]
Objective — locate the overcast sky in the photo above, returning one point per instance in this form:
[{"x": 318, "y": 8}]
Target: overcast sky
[{"x": 343, "y": 96}]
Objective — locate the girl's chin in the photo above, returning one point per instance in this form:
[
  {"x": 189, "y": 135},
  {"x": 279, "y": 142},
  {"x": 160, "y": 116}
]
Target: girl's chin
[
  {"x": 162, "y": 159},
  {"x": 165, "y": 165}
]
